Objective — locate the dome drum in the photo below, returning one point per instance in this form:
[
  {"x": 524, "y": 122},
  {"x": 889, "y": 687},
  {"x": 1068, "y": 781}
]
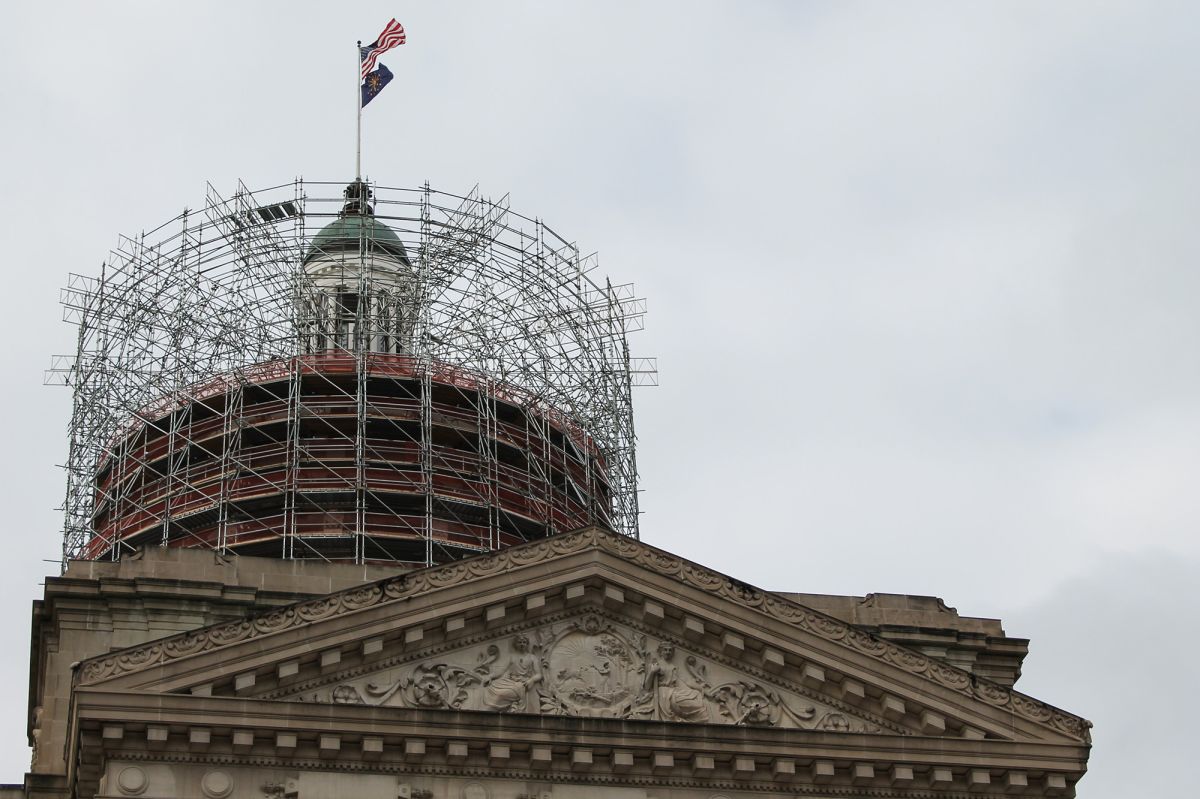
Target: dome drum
[{"x": 378, "y": 457}]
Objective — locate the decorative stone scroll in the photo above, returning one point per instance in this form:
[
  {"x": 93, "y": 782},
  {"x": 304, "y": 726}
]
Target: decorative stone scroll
[{"x": 593, "y": 668}]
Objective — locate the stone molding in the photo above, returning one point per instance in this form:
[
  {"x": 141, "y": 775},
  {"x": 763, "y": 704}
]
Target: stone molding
[
  {"x": 416, "y": 583},
  {"x": 234, "y": 732}
]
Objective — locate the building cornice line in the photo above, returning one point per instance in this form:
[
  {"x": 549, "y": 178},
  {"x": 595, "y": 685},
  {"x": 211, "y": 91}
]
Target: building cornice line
[{"x": 116, "y": 726}]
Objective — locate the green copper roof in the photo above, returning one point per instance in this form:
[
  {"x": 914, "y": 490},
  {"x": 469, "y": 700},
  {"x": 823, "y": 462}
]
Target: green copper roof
[{"x": 346, "y": 233}]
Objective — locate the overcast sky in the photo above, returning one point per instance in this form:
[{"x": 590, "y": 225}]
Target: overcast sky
[{"x": 922, "y": 278}]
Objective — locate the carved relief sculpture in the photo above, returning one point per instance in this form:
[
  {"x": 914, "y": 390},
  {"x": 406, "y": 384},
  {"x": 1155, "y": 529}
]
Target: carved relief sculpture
[
  {"x": 590, "y": 667},
  {"x": 676, "y": 697},
  {"x": 594, "y": 670},
  {"x": 509, "y": 691}
]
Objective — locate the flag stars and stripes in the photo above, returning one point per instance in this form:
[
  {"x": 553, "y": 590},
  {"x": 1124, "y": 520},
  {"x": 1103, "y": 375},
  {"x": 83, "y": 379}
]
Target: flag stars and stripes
[{"x": 393, "y": 35}]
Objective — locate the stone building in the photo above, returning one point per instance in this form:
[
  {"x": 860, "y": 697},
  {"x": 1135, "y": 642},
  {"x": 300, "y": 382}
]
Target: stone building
[
  {"x": 582, "y": 665},
  {"x": 372, "y": 568}
]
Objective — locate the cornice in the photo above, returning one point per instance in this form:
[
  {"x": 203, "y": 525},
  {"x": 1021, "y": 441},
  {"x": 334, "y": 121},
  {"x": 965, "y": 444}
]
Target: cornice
[{"x": 262, "y": 733}]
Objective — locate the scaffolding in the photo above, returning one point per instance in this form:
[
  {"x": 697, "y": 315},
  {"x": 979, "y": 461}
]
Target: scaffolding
[{"x": 229, "y": 394}]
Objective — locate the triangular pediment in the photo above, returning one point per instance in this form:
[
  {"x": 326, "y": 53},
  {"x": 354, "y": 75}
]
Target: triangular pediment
[
  {"x": 591, "y": 663},
  {"x": 584, "y": 624}
]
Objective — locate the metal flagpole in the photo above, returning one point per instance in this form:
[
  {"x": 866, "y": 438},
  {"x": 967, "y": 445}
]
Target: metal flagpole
[{"x": 358, "y": 95}]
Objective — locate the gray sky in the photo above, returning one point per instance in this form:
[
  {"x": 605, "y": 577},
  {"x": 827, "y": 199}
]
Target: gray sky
[{"x": 922, "y": 277}]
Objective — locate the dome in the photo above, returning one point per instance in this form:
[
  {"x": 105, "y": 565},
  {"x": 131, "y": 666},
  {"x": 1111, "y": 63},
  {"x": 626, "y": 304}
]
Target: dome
[
  {"x": 349, "y": 231},
  {"x": 356, "y": 225}
]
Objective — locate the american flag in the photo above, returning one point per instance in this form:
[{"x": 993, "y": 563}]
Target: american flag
[{"x": 392, "y": 35}]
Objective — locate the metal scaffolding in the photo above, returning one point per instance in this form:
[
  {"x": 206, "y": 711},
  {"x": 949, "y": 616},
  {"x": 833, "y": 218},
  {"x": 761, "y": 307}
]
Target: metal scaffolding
[{"x": 191, "y": 329}]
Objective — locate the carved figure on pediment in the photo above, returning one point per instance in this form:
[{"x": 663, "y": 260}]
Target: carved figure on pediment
[
  {"x": 676, "y": 695},
  {"x": 509, "y": 691}
]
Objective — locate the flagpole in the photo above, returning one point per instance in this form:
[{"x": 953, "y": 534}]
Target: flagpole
[{"x": 358, "y": 96}]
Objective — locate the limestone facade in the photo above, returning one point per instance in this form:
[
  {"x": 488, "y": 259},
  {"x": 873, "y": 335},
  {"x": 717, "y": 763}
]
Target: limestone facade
[{"x": 582, "y": 665}]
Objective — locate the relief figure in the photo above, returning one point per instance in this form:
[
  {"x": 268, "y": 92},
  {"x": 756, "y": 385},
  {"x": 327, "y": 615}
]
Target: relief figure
[
  {"x": 509, "y": 690},
  {"x": 676, "y": 697}
]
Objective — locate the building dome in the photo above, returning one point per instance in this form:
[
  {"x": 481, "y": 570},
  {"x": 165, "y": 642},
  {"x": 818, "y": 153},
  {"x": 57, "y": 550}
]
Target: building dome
[
  {"x": 351, "y": 231},
  {"x": 358, "y": 288}
]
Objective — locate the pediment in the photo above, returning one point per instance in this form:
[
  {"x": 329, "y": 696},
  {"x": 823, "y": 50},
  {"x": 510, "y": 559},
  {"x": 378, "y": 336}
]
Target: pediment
[
  {"x": 590, "y": 664},
  {"x": 575, "y": 625}
]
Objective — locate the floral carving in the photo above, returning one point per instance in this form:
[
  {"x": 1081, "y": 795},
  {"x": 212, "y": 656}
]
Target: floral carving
[
  {"x": 231, "y": 632},
  {"x": 784, "y": 610},
  {"x": 749, "y": 703},
  {"x": 834, "y": 722},
  {"x": 740, "y": 592},
  {"x": 949, "y": 676},
  {"x": 318, "y": 609},
  {"x": 627, "y": 548},
  {"x": 1071, "y": 725},
  {"x": 1030, "y": 709},
  {"x": 362, "y": 597},
  {"x": 907, "y": 659},
  {"x": 275, "y": 620},
  {"x": 452, "y": 575},
  {"x": 133, "y": 659},
  {"x": 991, "y": 693},
  {"x": 864, "y": 642},
  {"x": 431, "y": 686},
  {"x": 661, "y": 562},
  {"x": 703, "y": 578},
  {"x": 825, "y": 626},
  {"x": 399, "y": 587},
  {"x": 485, "y": 566},
  {"x": 95, "y": 670},
  {"x": 186, "y": 645}
]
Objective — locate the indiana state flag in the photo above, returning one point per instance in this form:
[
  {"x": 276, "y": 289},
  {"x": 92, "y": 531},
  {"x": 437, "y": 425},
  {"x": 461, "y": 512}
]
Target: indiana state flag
[{"x": 374, "y": 82}]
